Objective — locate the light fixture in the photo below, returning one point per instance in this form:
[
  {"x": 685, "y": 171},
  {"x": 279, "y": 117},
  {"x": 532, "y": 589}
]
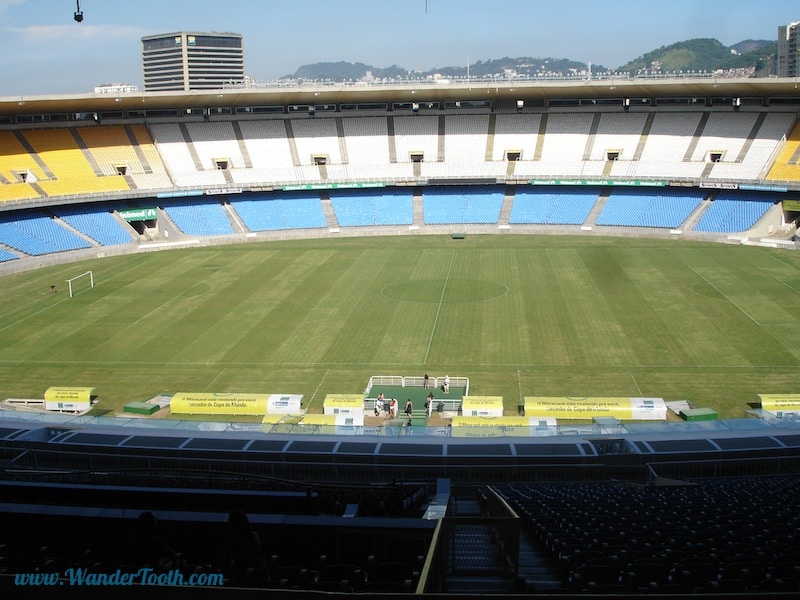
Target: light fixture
[{"x": 78, "y": 16}]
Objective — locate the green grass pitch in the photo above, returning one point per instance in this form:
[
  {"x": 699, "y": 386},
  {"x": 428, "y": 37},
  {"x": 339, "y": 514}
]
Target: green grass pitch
[{"x": 519, "y": 315}]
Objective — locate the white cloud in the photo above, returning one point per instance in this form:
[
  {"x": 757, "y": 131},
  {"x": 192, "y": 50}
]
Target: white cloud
[{"x": 37, "y": 34}]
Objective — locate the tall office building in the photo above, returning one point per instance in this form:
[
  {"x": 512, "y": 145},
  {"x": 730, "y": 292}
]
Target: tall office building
[
  {"x": 788, "y": 48},
  {"x": 185, "y": 61}
]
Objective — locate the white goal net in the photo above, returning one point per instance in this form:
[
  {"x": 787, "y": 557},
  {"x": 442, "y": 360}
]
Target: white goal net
[{"x": 80, "y": 283}]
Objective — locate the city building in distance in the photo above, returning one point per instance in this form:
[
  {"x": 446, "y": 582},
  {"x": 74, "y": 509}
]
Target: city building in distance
[
  {"x": 788, "y": 47},
  {"x": 187, "y": 61}
]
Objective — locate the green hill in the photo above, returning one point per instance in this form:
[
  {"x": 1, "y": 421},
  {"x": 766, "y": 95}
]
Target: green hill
[{"x": 701, "y": 55}]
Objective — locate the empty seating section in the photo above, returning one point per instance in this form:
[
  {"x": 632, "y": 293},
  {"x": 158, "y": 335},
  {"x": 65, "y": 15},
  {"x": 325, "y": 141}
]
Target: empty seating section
[
  {"x": 756, "y": 161},
  {"x": 648, "y": 208},
  {"x": 465, "y": 138},
  {"x": 272, "y": 212},
  {"x": 73, "y": 174},
  {"x": 416, "y": 135},
  {"x": 694, "y": 538},
  {"x": 566, "y": 137},
  {"x": 5, "y": 255},
  {"x": 367, "y": 141},
  {"x": 36, "y": 234},
  {"x": 267, "y": 144},
  {"x": 316, "y": 137},
  {"x": 14, "y": 162},
  {"x": 199, "y": 217},
  {"x": 725, "y": 133},
  {"x": 552, "y": 206},
  {"x": 460, "y": 204},
  {"x": 96, "y": 222},
  {"x": 515, "y": 132},
  {"x": 363, "y": 208},
  {"x": 216, "y": 141},
  {"x": 155, "y": 176},
  {"x": 733, "y": 213},
  {"x": 618, "y": 132},
  {"x": 178, "y": 158},
  {"x": 786, "y": 168},
  {"x": 667, "y": 144},
  {"x": 111, "y": 149}
]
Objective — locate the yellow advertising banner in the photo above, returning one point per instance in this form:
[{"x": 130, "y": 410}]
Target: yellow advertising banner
[
  {"x": 780, "y": 402},
  {"x": 69, "y": 394},
  {"x": 336, "y": 404},
  {"x": 623, "y": 409},
  {"x": 467, "y": 421},
  {"x": 219, "y": 404},
  {"x": 72, "y": 399}
]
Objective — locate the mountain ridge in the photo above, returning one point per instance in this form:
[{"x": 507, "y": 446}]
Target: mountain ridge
[{"x": 750, "y": 58}]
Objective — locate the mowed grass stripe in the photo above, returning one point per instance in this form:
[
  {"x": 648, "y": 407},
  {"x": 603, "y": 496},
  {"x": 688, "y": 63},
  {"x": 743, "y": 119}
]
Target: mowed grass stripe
[{"x": 389, "y": 320}]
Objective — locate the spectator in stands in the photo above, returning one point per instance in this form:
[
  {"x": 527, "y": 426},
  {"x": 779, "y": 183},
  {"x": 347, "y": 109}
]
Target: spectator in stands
[
  {"x": 147, "y": 548},
  {"x": 409, "y": 408},
  {"x": 392, "y": 408},
  {"x": 426, "y": 382},
  {"x": 446, "y": 386},
  {"x": 244, "y": 557},
  {"x": 378, "y": 405}
]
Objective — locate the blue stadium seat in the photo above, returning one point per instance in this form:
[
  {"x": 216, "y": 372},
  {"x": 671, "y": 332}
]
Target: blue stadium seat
[
  {"x": 552, "y": 206},
  {"x": 462, "y": 204},
  {"x": 660, "y": 208},
  {"x": 199, "y": 217},
  {"x": 271, "y": 212},
  {"x": 365, "y": 208}
]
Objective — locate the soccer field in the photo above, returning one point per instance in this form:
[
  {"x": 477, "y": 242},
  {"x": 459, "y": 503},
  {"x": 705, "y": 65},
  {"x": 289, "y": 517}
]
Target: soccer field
[{"x": 519, "y": 315}]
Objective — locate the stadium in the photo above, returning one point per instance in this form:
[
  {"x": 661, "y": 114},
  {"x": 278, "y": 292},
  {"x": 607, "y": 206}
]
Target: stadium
[{"x": 220, "y": 284}]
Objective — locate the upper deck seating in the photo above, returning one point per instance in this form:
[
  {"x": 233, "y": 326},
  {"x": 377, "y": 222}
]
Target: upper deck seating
[
  {"x": 465, "y": 138},
  {"x": 362, "y": 208},
  {"x": 618, "y": 132},
  {"x": 178, "y": 158},
  {"x": 316, "y": 137},
  {"x": 16, "y": 162},
  {"x": 418, "y": 134},
  {"x": 786, "y": 167},
  {"x": 72, "y": 172},
  {"x": 366, "y": 140},
  {"x": 756, "y": 161},
  {"x": 216, "y": 141},
  {"x": 515, "y": 132}
]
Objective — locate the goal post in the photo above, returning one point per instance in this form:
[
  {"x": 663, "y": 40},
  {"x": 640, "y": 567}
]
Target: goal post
[{"x": 81, "y": 282}]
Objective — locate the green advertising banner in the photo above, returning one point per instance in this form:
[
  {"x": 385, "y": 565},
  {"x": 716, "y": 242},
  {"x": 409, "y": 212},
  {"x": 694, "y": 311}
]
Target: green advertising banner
[
  {"x": 331, "y": 186},
  {"x": 139, "y": 214},
  {"x": 623, "y": 182},
  {"x": 792, "y": 205}
]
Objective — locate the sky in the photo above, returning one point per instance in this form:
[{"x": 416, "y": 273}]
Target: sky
[{"x": 44, "y": 51}]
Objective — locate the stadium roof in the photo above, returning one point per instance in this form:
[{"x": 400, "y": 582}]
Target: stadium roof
[{"x": 500, "y": 93}]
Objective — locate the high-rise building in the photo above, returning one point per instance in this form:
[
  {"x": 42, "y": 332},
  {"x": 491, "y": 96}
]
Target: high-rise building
[
  {"x": 788, "y": 49},
  {"x": 185, "y": 61}
]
